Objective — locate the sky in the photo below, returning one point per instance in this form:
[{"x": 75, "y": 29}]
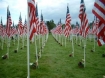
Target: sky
[{"x": 51, "y": 9}]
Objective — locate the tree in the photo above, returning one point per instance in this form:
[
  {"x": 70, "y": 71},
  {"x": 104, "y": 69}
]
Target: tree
[
  {"x": 91, "y": 24},
  {"x": 50, "y": 24},
  {"x": 72, "y": 26}
]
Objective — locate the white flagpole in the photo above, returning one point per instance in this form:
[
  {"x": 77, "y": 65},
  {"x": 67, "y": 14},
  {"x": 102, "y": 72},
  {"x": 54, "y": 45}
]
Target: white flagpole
[
  {"x": 18, "y": 43},
  {"x": 76, "y": 38},
  {"x": 0, "y": 39},
  {"x": 44, "y": 40},
  {"x": 62, "y": 39},
  {"x": 46, "y": 37},
  {"x": 80, "y": 39},
  {"x": 14, "y": 39},
  {"x": 56, "y": 36},
  {"x": 72, "y": 45},
  {"x": 2, "y": 43},
  {"x": 94, "y": 43},
  {"x": 84, "y": 52},
  {"x": 42, "y": 43},
  {"x": 36, "y": 50},
  {"x": 23, "y": 40},
  {"x": 28, "y": 58},
  {"x": 39, "y": 45},
  {"x": 8, "y": 43},
  {"x": 65, "y": 41},
  {"x": 39, "y": 40}
]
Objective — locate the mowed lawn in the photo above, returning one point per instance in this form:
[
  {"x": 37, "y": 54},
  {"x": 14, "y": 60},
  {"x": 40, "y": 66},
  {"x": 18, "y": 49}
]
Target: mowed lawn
[{"x": 55, "y": 61}]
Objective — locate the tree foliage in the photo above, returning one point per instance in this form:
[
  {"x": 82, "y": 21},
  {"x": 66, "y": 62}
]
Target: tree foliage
[{"x": 50, "y": 24}]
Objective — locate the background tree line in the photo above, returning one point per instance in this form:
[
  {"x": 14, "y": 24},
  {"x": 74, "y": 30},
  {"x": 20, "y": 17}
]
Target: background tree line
[{"x": 51, "y": 24}]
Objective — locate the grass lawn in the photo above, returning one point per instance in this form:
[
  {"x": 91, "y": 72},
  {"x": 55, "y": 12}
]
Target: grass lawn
[{"x": 55, "y": 61}]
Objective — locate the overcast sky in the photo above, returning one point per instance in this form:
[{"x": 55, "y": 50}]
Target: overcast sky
[{"x": 51, "y": 9}]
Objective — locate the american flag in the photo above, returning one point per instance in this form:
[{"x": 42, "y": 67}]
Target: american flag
[
  {"x": 9, "y": 23},
  {"x": 42, "y": 25},
  {"x": 84, "y": 21},
  {"x": 95, "y": 26},
  {"x": 32, "y": 18},
  {"x": 75, "y": 30},
  {"x": 67, "y": 23},
  {"x": 13, "y": 30},
  {"x": 37, "y": 21},
  {"x": 25, "y": 26},
  {"x": 58, "y": 29},
  {"x": 99, "y": 12},
  {"x": 1, "y": 28},
  {"x": 20, "y": 26},
  {"x": 45, "y": 29}
]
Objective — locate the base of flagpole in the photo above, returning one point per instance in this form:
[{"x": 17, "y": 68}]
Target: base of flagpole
[
  {"x": 92, "y": 50},
  {"x": 103, "y": 76},
  {"x": 5, "y": 56},
  {"x": 70, "y": 55},
  {"x": 79, "y": 45},
  {"x": 103, "y": 55},
  {"x": 15, "y": 51},
  {"x": 34, "y": 65}
]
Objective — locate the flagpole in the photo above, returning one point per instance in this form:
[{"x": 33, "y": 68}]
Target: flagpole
[
  {"x": 28, "y": 58},
  {"x": 76, "y": 38},
  {"x": 62, "y": 39},
  {"x": 8, "y": 48},
  {"x": 14, "y": 39},
  {"x": 72, "y": 45},
  {"x": 36, "y": 51},
  {"x": 18, "y": 43},
  {"x": 42, "y": 43},
  {"x": 94, "y": 43},
  {"x": 23, "y": 40},
  {"x": 0, "y": 39},
  {"x": 59, "y": 38},
  {"x": 2, "y": 43},
  {"x": 84, "y": 53},
  {"x": 80, "y": 39},
  {"x": 65, "y": 41},
  {"x": 39, "y": 44}
]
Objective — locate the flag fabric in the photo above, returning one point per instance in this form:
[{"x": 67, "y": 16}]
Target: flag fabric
[
  {"x": 57, "y": 29},
  {"x": 67, "y": 24},
  {"x": 9, "y": 23},
  {"x": 13, "y": 30},
  {"x": 32, "y": 18},
  {"x": 1, "y": 28},
  {"x": 20, "y": 26},
  {"x": 37, "y": 21},
  {"x": 76, "y": 29},
  {"x": 42, "y": 25},
  {"x": 25, "y": 27},
  {"x": 99, "y": 12},
  {"x": 60, "y": 27},
  {"x": 84, "y": 21},
  {"x": 45, "y": 29},
  {"x": 95, "y": 26}
]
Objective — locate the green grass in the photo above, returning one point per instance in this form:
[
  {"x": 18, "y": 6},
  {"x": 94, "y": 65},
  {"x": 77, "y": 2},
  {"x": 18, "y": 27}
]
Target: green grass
[{"x": 55, "y": 62}]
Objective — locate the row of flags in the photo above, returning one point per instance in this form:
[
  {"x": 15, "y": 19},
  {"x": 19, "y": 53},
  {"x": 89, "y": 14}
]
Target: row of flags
[
  {"x": 39, "y": 27},
  {"x": 36, "y": 26},
  {"x": 99, "y": 13},
  {"x": 97, "y": 29}
]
